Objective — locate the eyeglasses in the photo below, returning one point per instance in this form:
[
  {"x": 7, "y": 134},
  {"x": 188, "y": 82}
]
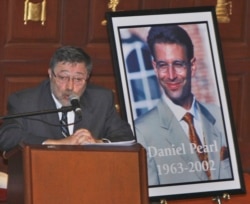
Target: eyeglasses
[
  {"x": 63, "y": 79},
  {"x": 179, "y": 66}
]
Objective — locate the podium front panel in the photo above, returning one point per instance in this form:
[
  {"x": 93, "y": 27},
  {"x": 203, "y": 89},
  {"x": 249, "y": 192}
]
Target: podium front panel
[{"x": 85, "y": 174}]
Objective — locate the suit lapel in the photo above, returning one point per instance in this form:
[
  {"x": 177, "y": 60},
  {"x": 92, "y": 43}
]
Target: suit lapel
[
  {"x": 51, "y": 118},
  {"x": 173, "y": 131},
  {"x": 87, "y": 115}
]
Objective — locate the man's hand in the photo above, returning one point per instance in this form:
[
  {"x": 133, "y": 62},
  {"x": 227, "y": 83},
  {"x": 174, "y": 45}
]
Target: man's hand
[{"x": 80, "y": 137}]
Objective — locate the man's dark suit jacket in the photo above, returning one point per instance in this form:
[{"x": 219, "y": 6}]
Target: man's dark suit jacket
[{"x": 98, "y": 115}]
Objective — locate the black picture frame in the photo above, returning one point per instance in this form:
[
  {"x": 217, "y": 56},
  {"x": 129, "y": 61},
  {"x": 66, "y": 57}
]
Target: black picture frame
[{"x": 139, "y": 92}]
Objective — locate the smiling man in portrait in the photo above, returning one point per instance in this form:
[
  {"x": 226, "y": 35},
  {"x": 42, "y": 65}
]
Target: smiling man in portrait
[{"x": 185, "y": 138}]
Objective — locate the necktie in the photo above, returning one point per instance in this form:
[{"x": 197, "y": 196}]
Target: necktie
[
  {"x": 194, "y": 138},
  {"x": 64, "y": 124}
]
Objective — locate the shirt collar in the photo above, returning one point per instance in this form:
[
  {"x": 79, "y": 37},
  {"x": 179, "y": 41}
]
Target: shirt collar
[
  {"x": 58, "y": 104},
  {"x": 179, "y": 111}
]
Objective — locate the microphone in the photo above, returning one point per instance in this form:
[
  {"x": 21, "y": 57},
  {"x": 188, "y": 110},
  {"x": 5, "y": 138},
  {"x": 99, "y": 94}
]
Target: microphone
[{"x": 74, "y": 100}]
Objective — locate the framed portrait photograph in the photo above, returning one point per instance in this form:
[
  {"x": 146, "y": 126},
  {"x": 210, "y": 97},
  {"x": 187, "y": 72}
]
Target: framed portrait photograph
[{"x": 173, "y": 92}]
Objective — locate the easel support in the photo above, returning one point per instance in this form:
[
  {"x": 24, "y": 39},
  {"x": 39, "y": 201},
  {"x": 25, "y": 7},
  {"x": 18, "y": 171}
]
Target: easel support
[
  {"x": 225, "y": 196},
  {"x": 217, "y": 199}
]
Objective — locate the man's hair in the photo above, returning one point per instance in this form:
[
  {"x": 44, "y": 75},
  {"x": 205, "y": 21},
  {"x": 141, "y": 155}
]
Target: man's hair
[
  {"x": 70, "y": 54},
  {"x": 170, "y": 34}
]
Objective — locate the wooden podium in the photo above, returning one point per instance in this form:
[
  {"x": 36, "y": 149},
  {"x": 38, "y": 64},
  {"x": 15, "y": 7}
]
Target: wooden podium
[{"x": 110, "y": 174}]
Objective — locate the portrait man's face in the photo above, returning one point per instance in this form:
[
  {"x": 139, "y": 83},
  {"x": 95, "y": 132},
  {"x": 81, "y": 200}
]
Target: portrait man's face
[{"x": 174, "y": 71}]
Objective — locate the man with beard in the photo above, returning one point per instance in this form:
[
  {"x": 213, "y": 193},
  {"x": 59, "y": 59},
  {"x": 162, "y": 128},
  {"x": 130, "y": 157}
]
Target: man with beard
[
  {"x": 166, "y": 130},
  {"x": 69, "y": 71}
]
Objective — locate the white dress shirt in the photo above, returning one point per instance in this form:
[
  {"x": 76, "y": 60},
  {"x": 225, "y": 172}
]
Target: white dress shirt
[
  {"x": 179, "y": 112},
  {"x": 70, "y": 115}
]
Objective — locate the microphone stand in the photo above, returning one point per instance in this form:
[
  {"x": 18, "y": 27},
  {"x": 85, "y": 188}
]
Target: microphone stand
[{"x": 62, "y": 109}]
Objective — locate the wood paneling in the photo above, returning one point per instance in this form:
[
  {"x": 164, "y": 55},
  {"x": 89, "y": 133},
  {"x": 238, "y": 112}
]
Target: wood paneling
[
  {"x": 32, "y": 41},
  {"x": 235, "y": 35},
  {"x": 25, "y": 49}
]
